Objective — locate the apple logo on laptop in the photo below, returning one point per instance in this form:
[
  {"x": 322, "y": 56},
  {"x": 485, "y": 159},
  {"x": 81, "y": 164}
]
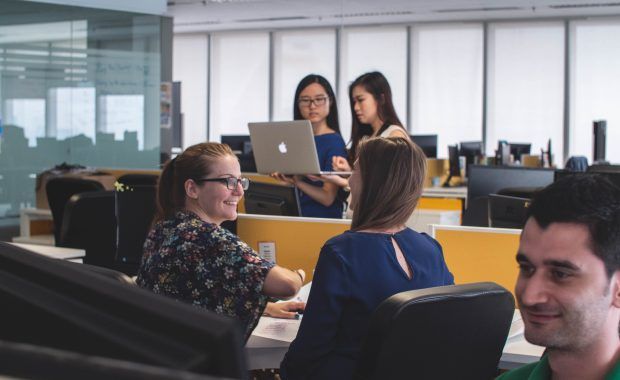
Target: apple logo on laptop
[{"x": 282, "y": 147}]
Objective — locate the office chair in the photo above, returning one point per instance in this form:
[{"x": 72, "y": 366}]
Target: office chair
[
  {"x": 135, "y": 210},
  {"x": 101, "y": 271},
  {"x": 89, "y": 223},
  {"x": 447, "y": 332},
  {"x": 133, "y": 180},
  {"x": 59, "y": 190}
]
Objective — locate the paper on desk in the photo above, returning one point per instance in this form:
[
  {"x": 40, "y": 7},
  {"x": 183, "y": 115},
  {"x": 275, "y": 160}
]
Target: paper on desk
[
  {"x": 516, "y": 327},
  {"x": 304, "y": 292},
  {"x": 276, "y": 328}
]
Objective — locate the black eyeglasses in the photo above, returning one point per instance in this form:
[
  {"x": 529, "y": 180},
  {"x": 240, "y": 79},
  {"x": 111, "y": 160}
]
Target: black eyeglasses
[
  {"x": 231, "y": 182},
  {"x": 319, "y": 101}
]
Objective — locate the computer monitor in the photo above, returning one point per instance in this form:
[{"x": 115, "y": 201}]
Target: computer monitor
[
  {"x": 50, "y": 303},
  {"x": 272, "y": 199},
  {"x": 502, "y": 154},
  {"x": 453, "y": 162},
  {"x": 242, "y": 148},
  {"x": 470, "y": 150},
  {"x": 599, "y": 140},
  {"x": 428, "y": 143},
  {"x": 507, "y": 212},
  {"x": 519, "y": 149},
  {"x": 484, "y": 180}
]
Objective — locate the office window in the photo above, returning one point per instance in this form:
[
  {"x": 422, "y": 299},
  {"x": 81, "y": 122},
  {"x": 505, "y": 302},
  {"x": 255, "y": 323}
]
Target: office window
[
  {"x": 29, "y": 114},
  {"x": 446, "y": 83},
  {"x": 297, "y": 54},
  {"x": 72, "y": 112},
  {"x": 190, "y": 59},
  {"x": 239, "y": 82},
  {"x": 595, "y": 78},
  {"x": 526, "y": 85},
  {"x": 367, "y": 49},
  {"x": 122, "y": 113}
]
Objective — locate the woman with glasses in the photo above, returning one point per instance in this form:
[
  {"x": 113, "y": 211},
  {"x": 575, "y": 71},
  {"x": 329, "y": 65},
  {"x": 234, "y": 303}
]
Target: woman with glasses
[
  {"x": 189, "y": 257},
  {"x": 315, "y": 101},
  {"x": 360, "y": 268}
]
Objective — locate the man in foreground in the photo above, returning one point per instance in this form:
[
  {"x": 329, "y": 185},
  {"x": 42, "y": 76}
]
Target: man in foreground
[{"x": 568, "y": 289}]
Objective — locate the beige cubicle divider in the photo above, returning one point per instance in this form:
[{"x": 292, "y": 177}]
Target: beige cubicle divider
[
  {"x": 297, "y": 240},
  {"x": 475, "y": 254}
]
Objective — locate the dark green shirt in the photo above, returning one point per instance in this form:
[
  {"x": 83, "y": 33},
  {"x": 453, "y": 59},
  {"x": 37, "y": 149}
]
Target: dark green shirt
[{"x": 541, "y": 371}]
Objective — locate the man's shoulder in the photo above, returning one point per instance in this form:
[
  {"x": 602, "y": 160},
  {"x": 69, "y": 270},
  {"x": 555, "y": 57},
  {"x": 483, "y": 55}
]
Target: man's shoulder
[{"x": 532, "y": 371}]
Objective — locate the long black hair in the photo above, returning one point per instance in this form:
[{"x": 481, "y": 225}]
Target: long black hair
[
  {"x": 332, "y": 117},
  {"x": 377, "y": 85}
]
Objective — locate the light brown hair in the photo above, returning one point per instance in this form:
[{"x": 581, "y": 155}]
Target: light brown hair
[
  {"x": 194, "y": 163},
  {"x": 392, "y": 173}
]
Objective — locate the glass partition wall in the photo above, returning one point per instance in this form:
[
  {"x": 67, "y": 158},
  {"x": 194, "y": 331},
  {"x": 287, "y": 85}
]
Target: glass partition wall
[{"x": 77, "y": 86}]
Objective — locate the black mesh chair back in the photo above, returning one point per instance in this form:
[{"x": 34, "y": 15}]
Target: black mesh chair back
[
  {"x": 133, "y": 180},
  {"x": 89, "y": 223},
  {"x": 135, "y": 209},
  {"x": 446, "y": 332},
  {"x": 59, "y": 190}
]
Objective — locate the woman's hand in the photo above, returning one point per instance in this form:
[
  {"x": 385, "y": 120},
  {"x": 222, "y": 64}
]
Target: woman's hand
[
  {"x": 331, "y": 178},
  {"x": 340, "y": 164},
  {"x": 284, "y": 178},
  {"x": 287, "y": 310}
]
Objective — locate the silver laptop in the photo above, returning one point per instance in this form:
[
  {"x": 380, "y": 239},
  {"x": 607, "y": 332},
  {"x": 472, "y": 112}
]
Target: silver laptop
[{"x": 285, "y": 147}]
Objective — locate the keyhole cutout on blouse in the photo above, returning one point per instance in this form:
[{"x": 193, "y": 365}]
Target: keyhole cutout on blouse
[{"x": 401, "y": 259}]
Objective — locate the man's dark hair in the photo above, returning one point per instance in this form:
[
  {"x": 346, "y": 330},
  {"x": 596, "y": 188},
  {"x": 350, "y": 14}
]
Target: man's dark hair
[{"x": 588, "y": 199}]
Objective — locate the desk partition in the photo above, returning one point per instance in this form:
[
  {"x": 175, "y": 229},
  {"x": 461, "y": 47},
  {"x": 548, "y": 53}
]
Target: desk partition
[
  {"x": 475, "y": 254},
  {"x": 297, "y": 240}
]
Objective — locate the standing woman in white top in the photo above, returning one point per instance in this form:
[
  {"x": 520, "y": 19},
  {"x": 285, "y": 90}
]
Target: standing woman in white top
[{"x": 372, "y": 114}]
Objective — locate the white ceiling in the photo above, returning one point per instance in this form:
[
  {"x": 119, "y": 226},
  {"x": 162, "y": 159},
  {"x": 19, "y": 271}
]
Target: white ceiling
[{"x": 210, "y": 15}]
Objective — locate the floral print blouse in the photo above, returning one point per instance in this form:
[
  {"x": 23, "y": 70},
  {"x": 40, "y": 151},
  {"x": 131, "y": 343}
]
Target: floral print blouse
[{"x": 205, "y": 265}]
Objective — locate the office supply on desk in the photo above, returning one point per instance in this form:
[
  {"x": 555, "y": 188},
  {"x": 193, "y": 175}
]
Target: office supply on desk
[
  {"x": 286, "y": 147},
  {"x": 436, "y": 326},
  {"x": 272, "y": 199},
  {"x": 51, "y": 303}
]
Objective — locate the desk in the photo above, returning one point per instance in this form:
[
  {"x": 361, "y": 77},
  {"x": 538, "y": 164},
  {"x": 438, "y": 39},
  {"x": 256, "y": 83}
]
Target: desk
[
  {"x": 35, "y": 227},
  {"x": 445, "y": 192},
  {"x": 61, "y": 253},
  {"x": 268, "y": 353}
]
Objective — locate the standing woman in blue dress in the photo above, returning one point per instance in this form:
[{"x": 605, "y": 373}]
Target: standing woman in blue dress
[
  {"x": 315, "y": 101},
  {"x": 360, "y": 268}
]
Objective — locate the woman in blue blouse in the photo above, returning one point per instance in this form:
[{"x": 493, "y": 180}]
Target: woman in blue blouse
[
  {"x": 315, "y": 101},
  {"x": 376, "y": 259},
  {"x": 189, "y": 257}
]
